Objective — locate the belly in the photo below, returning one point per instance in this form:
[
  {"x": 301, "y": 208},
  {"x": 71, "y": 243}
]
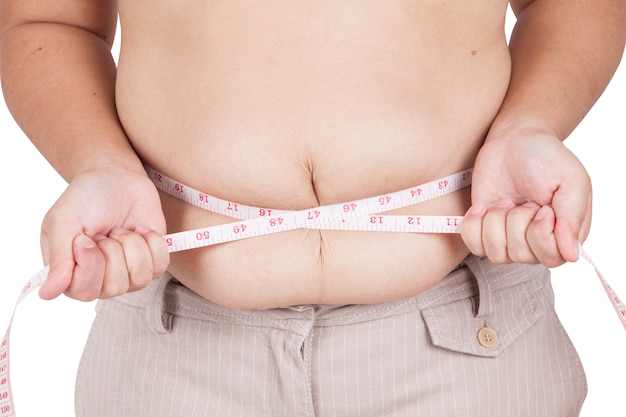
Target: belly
[{"x": 296, "y": 105}]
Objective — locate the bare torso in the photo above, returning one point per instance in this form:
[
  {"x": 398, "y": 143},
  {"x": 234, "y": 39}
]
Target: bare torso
[{"x": 296, "y": 104}]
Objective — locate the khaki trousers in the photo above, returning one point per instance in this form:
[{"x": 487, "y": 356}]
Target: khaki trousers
[{"x": 485, "y": 341}]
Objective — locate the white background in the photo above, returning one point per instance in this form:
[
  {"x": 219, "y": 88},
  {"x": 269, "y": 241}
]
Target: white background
[{"x": 48, "y": 337}]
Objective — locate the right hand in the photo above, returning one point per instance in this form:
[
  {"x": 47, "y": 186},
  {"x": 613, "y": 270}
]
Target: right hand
[
  {"x": 104, "y": 236},
  {"x": 531, "y": 199}
]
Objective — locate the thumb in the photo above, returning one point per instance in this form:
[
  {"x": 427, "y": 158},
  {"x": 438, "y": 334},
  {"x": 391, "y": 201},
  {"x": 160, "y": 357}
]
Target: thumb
[
  {"x": 573, "y": 219},
  {"x": 60, "y": 258}
]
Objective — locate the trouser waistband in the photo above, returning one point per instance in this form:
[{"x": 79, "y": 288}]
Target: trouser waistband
[{"x": 478, "y": 278}]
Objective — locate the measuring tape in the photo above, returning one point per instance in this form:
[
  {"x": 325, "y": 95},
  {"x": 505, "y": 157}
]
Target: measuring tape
[{"x": 358, "y": 215}]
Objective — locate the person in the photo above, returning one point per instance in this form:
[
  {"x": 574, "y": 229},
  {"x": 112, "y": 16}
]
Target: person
[{"x": 295, "y": 105}]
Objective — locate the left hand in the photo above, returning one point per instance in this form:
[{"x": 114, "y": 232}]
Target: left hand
[{"x": 531, "y": 200}]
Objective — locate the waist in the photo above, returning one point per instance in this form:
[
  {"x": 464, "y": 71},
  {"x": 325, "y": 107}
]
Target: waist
[
  {"x": 168, "y": 295},
  {"x": 318, "y": 266}
]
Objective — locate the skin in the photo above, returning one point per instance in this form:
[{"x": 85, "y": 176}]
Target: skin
[{"x": 298, "y": 104}]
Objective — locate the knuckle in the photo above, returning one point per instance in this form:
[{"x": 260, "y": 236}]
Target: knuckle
[
  {"x": 473, "y": 244},
  {"x": 498, "y": 259},
  {"x": 552, "y": 261},
  {"x": 498, "y": 256},
  {"x": 113, "y": 288},
  {"x": 518, "y": 256},
  {"x": 85, "y": 295},
  {"x": 141, "y": 277},
  {"x": 160, "y": 267}
]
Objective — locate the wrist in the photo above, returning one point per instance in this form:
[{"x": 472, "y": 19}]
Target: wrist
[
  {"x": 520, "y": 125},
  {"x": 106, "y": 158}
]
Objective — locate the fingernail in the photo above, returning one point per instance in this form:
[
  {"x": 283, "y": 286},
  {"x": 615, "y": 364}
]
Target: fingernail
[
  {"x": 531, "y": 204},
  {"x": 505, "y": 204},
  {"x": 542, "y": 213},
  {"x": 116, "y": 231},
  {"x": 141, "y": 229},
  {"x": 99, "y": 237},
  {"x": 477, "y": 210},
  {"x": 85, "y": 242}
]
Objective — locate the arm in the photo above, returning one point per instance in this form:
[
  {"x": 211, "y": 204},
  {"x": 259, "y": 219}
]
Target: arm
[
  {"x": 58, "y": 79},
  {"x": 564, "y": 54},
  {"x": 531, "y": 200}
]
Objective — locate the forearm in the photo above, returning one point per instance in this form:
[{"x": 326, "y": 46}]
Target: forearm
[
  {"x": 59, "y": 83},
  {"x": 563, "y": 54}
]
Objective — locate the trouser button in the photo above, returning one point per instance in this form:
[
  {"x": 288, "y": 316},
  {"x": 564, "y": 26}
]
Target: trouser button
[{"x": 487, "y": 337}]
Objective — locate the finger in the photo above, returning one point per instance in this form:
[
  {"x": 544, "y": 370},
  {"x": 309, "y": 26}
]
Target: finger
[
  {"x": 472, "y": 229},
  {"x": 158, "y": 249},
  {"x": 137, "y": 256},
  {"x": 116, "y": 278},
  {"x": 494, "y": 232},
  {"x": 542, "y": 240},
  {"x": 517, "y": 222},
  {"x": 88, "y": 272}
]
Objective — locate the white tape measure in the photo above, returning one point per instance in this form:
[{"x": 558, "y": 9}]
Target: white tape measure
[{"x": 359, "y": 215}]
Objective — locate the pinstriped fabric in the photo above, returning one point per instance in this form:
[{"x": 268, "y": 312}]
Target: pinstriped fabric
[
  {"x": 166, "y": 352},
  {"x": 401, "y": 374}
]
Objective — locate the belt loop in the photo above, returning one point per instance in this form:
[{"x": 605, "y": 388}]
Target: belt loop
[
  {"x": 485, "y": 306},
  {"x": 158, "y": 320}
]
